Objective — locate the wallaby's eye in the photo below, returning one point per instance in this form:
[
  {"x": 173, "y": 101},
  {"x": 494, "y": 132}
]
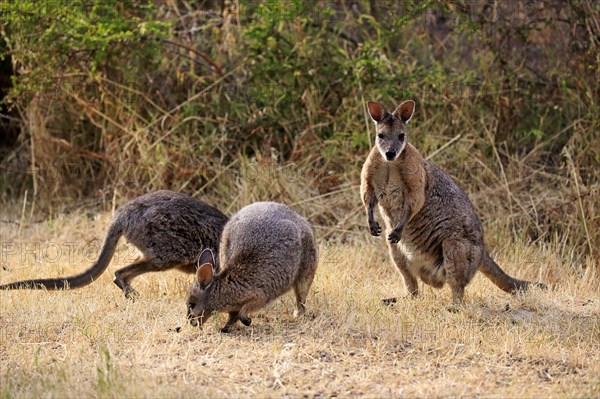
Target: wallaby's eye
[
  {"x": 401, "y": 137},
  {"x": 380, "y": 136},
  {"x": 191, "y": 306}
]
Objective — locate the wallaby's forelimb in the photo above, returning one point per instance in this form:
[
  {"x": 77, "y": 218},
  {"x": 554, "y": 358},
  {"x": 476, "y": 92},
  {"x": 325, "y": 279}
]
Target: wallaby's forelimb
[
  {"x": 373, "y": 225},
  {"x": 233, "y": 318},
  {"x": 256, "y": 302},
  {"x": 396, "y": 232}
]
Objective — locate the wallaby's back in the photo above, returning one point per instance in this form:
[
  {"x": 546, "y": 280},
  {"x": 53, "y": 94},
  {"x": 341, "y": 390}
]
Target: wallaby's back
[
  {"x": 264, "y": 243},
  {"x": 171, "y": 226}
]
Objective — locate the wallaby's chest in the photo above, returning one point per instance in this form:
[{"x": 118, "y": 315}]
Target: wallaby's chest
[{"x": 390, "y": 192}]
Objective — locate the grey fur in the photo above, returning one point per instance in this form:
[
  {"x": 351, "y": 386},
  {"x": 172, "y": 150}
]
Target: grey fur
[
  {"x": 170, "y": 229},
  {"x": 433, "y": 230},
  {"x": 266, "y": 250}
]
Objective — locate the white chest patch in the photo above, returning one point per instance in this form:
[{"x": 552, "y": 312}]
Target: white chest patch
[
  {"x": 416, "y": 259},
  {"x": 423, "y": 265}
]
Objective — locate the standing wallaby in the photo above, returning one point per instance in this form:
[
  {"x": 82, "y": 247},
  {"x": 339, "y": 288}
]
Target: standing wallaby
[
  {"x": 170, "y": 229},
  {"x": 266, "y": 249},
  {"x": 433, "y": 230}
]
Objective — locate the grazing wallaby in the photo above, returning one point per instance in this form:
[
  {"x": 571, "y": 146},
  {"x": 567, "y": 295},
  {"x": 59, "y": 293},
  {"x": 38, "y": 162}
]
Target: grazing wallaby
[
  {"x": 266, "y": 249},
  {"x": 170, "y": 229},
  {"x": 433, "y": 230}
]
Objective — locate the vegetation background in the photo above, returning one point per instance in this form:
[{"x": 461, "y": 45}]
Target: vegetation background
[{"x": 239, "y": 101}]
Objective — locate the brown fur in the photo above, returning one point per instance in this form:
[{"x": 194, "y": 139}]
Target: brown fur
[
  {"x": 432, "y": 228},
  {"x": 266, "y": 250}
]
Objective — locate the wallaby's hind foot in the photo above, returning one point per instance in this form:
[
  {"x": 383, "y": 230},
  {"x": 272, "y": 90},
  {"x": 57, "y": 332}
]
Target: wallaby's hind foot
[
  {"x": 459, "y": 265},
  {"x": 125, "y": 275},
  {"x": 306, "y": 274},
  {"x": 399, "y": 259},
  {"x": 301, "y": 291},
  {"x": 458, "y": 294}
]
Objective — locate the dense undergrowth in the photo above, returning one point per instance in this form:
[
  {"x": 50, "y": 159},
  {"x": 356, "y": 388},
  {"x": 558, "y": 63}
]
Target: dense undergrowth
[{"x": 239, "y": 101}]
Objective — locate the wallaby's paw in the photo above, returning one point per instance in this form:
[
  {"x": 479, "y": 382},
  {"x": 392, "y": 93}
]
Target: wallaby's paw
[
  {"x": 226, "y": 329},
  {"x": 394, "y": 236},
  {"x": 245, "y": 320},
  {"x": 131, "y": 294},
  {"x": 389, "y": 301},
  {"x": 375, "y": 228}
]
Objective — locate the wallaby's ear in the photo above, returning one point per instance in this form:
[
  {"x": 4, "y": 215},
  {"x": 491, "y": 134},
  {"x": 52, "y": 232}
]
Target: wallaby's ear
[
  {"x": 204, "y": 274},
  {"x": 205, "y": 270},
  {"x": 206, "y": 257},
  {"x": 405, "y": 110},
  {"x": 376, "y": 111}
]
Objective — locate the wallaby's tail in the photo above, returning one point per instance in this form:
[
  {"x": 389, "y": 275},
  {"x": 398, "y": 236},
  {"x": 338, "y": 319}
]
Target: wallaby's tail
[
  {"x": 503, "y": 280},
  {"x": 82, "y": 279}
]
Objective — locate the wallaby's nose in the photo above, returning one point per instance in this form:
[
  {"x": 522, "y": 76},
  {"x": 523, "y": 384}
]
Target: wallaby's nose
[{"x": 390, "y": 155}]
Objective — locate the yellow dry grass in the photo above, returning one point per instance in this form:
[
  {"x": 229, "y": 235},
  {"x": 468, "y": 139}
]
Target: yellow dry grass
[{"x": 92, "y": 342}]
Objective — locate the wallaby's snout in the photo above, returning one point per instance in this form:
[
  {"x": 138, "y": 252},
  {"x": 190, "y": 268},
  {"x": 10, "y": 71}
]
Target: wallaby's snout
[
  {"x": 196, "y": 321},
  {"x": 390, "y": 155}
]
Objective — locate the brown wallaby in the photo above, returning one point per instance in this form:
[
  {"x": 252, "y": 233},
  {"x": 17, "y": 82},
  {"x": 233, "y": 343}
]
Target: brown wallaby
[
  {"x": 433, "y": 230},
  {"x": 266, "y": 249},
  {"x": 170, "y": 229}
]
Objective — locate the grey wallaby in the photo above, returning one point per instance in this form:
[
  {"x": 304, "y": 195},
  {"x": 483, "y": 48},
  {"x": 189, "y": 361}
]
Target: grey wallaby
[
  {"x": 266, "y": 250},
  {"x": 433, "y": 230},
  {"x": 170, "y": 229}
]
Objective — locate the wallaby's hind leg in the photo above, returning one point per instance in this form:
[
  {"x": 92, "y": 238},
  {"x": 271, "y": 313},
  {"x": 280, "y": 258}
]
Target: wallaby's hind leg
[
  {"x": 301, "y": 288},
  {"x": 410, "y": 281},
  {"x": 304, "y": 280},
  {"x": 460, "y": 261},
  {"x": 124, "y": 276}
]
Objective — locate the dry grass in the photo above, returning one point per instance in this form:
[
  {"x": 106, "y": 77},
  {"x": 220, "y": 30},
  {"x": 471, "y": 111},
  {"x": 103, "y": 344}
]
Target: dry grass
[{"x": 93, "y": 342}]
